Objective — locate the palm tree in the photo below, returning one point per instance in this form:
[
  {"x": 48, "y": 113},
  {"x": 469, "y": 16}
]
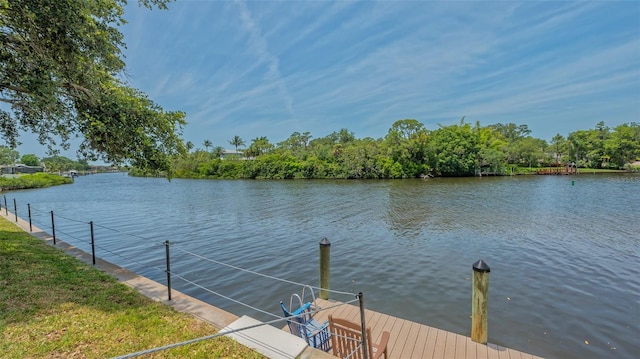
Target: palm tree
[
  {"x": 189, "y": 146},
  {"x": 217, "y": 152},
  {"x": 207, "y": 144},
  {"x": 236, "y": 141},
  {"x": 558, "y": 142}
]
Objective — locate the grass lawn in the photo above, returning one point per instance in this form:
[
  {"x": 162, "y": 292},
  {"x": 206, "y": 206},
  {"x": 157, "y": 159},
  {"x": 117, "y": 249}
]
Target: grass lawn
[{"x": 55, "y": 306}]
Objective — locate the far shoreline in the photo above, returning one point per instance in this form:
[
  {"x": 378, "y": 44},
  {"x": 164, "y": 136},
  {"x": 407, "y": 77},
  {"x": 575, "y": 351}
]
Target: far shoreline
[
  {"x": 31, "y": 181},
  {"x": 520, "y": 172}
]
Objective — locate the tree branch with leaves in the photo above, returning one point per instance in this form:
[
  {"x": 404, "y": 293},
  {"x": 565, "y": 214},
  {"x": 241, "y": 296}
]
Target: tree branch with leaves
[{"x": 59, "y": 73}]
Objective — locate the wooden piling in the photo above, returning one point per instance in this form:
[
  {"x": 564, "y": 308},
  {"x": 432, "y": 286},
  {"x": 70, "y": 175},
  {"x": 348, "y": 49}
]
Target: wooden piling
[
  {"x": 325, "y": 261},
  {"x": 479, "y": 302}
]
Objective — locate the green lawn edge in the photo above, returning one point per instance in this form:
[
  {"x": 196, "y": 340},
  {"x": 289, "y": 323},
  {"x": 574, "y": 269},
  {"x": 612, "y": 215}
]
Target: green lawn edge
[
  {"x": 36, "y": 180},
  {"x": 53, "y": 305}
]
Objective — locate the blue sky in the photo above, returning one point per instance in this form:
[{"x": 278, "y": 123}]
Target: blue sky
[{"x": 269, "y": 68}]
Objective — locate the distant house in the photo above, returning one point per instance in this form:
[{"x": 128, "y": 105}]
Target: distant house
[
  {"x": 20, "y": 168},
  {"x": 231, "y": 154}
]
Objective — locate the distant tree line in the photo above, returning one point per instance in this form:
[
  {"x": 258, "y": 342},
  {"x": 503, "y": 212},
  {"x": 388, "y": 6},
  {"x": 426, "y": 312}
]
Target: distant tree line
[{"x": 410, "y": 150}]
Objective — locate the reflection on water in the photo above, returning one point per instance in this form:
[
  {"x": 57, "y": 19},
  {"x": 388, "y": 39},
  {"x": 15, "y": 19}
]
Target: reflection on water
[{"x": 564, "y": 251}]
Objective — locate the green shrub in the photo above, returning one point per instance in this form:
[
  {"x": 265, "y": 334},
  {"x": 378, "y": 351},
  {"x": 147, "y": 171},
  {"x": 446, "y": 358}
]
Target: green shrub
[{"x": 36, "y": 180}]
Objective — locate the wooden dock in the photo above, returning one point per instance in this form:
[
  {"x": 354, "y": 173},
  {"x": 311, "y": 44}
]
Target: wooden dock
[
  {"x": 414, "y": 340},
  {"x": 558, "y": 171}
]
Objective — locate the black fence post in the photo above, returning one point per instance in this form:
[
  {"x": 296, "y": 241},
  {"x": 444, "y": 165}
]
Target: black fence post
[
  {"x": 166, "y": 246},
  {"x": 15, "y": 209},
  {"x": 365, "y": 344},
  {"x": 93, "y": 244},
  {"x": 53, "y": 229},
  {"x": 30, "y": 225},
  {"x": 6, "y": 209}
]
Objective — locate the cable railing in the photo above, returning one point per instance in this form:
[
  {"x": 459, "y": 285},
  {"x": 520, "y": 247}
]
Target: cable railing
[{"x": 77, "y": 230}]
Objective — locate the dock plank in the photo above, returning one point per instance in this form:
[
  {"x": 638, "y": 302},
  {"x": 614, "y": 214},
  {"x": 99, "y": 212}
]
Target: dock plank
[
  {"x": 439, "y": 344},
  {"x": 408, "y": 339},
  {"x": 461, "y": 347},
  {"x": 373, "y": 322},
  {"x": 475, "y": 350},
  {"x": 414, "y": 340},
  {"x": 504, "y": 353},
  {"x": 385, "y": 326},
  {"x": 421, "y": 342},
  {"x": 450, "y": 345},
  {"x": 492, "y": 351},
  {"x": 397, "y": 344}
]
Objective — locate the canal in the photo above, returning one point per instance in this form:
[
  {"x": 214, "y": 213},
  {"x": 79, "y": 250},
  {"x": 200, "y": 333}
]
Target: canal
[{"x": 564, "y": 251}]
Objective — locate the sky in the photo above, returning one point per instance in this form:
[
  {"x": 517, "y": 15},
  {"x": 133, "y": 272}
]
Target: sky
[{"x": 271, "y": 68}]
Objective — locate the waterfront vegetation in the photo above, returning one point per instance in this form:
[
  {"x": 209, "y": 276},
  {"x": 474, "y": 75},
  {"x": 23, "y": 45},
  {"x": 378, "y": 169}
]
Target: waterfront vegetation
[
  {"x": 36, "y": 180},
  {"x": 53, "y": 306},
  {"x": 410, "y": 150}
]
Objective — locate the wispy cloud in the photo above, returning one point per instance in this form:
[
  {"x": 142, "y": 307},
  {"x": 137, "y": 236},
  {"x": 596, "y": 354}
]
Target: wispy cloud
[
  {"x": 270, "y": 68},
  {"x": 259, "y": 46}
]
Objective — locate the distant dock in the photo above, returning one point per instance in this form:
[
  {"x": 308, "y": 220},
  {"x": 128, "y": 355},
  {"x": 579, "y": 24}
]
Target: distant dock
[{"x": 559, "y": 169}]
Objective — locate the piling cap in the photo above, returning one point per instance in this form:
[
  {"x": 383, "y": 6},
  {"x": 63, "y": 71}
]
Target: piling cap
[
  {"x": 325, "y": 242},
  {"x": 481, "y": 266}
]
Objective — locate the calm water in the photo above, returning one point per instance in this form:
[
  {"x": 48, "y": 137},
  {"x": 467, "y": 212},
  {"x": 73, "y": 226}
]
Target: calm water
[{"x": 564, "y": 258}]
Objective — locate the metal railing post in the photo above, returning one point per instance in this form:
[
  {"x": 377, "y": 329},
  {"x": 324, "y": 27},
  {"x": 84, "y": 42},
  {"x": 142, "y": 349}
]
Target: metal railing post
[
  {"x": 93, "y": 244},
  {"x": 53, "y": 229},
  {"x": 15, "y": 209},
  {"x": 6, "y": 209},
  {"x": 30, "y": 224},
  {"x": 166, "y": 246},
  {"x": 365, "y": 344}
]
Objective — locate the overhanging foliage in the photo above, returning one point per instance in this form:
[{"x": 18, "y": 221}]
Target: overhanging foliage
[{"x": 60, "y": 63}]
